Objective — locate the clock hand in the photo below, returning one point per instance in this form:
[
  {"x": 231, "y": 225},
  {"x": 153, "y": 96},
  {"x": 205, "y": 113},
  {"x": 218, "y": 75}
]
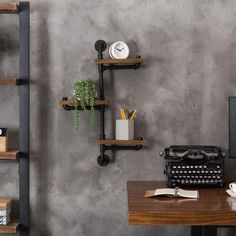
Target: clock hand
[
  {"x": 118, "y": 49},
  {"x": 121, "y": 49}
]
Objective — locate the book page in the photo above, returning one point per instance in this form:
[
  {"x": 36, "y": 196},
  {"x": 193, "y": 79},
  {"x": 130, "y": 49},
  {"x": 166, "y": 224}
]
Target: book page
[
  {"x": 187, "y": 193},
  {"x": 165, "y": 191}
]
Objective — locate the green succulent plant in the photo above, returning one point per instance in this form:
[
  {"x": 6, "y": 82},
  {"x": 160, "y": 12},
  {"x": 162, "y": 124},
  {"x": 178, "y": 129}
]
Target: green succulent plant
[{"x": 84, "y": 94}]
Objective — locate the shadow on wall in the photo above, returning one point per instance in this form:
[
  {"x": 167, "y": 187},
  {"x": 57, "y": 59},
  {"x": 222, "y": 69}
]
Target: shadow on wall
[
  {"x": 42, "y": 128},
  {"x": 8, "y": 43}
]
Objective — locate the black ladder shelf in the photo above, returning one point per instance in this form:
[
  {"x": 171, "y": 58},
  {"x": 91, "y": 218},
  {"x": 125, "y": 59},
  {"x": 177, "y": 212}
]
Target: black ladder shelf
[
  {"x": 103, "y": 65},
  {"x": 21, "y": 155}
]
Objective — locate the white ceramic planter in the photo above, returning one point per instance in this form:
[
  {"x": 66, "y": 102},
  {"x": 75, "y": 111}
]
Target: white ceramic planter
[{"x": 125, "y": 129}]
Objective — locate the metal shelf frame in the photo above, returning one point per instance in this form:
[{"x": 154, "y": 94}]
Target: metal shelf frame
[
  {"x": 24, "y": 116},
  {"x": 24, "y": 129}
]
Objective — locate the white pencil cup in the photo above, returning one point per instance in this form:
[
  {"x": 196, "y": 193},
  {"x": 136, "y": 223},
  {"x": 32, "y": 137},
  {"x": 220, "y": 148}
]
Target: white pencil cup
[{"x": 124, "y": 129}]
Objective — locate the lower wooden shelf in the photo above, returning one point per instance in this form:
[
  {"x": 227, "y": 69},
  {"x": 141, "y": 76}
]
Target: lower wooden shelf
[
  {"x": 122, "y": 142},
  {"x": 9, "y": 155},
  {"x": 11, "y": 228}
]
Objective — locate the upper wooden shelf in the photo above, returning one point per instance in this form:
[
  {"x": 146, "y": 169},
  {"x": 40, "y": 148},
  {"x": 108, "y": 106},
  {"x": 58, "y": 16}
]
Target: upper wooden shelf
[
  {"x": 122, "y": 142},
  {"x": 9, "y": 155},
  {"x": 9, "y": 81},
  {"x": 71, "y": 102},
  {"x": 11, "y": 228},
  {"x": 131, "y": 60},
  {"x": 9, "y": 8}
]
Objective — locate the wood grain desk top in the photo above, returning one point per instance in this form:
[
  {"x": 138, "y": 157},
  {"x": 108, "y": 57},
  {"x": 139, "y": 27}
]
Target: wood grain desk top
[{"x": 213, "y": 207}]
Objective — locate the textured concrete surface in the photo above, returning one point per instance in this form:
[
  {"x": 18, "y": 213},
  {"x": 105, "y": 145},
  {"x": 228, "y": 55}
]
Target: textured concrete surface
[{"x": 181, "y": 94}]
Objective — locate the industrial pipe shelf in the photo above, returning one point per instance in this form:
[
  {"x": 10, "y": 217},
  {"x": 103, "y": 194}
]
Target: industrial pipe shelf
[
  {"x": 113, "y": 64},
  {"x": 100, "y": 104}
]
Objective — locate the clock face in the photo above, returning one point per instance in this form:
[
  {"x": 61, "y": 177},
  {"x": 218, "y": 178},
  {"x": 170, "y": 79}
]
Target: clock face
[{"x": 119, "y": 50}]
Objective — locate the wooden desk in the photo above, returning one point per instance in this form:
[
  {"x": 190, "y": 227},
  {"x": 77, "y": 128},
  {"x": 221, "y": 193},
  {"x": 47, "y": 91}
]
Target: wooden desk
[{"x": 214, "y": 208}]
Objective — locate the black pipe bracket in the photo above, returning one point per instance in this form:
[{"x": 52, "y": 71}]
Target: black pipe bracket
[{"x": 120, "y": 147}]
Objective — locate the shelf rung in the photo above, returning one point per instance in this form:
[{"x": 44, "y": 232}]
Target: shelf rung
[
  {"x": 9, "y": 155},
  {"x": 9, "y": 81},
  {"x": 122, "y": 142},
  {"x": 131, "y": 60},
  {"x": 9, "y": 8},
  {"x": 11, "y": 228},
  {"x": 71, "y": 102}
]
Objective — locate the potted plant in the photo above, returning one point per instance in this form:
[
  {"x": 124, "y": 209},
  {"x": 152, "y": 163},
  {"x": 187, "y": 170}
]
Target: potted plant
[{"x": 84, "y": 94}]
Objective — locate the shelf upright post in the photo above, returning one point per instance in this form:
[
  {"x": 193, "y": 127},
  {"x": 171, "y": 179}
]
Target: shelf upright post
[
  {"x": 103, "y": 159},
  {"x": 101, "y": 91},
  {"x": 24, "y": 75}
]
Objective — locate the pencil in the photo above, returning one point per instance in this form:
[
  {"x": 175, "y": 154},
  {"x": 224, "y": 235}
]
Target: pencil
[
  {"x": 121, "y": 113},
  {"x": 133, "y": 115},
  {"x": 124, "y": 113}
]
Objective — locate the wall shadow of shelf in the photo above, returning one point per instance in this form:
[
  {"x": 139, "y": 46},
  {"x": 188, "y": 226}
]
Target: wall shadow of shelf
[
  {"x": 22, "y": 9},
  {"x": 11, "y": 228}
]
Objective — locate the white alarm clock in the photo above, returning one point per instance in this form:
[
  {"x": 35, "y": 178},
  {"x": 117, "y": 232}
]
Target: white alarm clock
[{"x": 119, "y": 50}]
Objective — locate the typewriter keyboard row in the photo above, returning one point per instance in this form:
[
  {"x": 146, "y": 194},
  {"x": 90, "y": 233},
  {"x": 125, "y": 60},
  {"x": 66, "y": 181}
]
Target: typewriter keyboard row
[{"x": 195, "y": 174}]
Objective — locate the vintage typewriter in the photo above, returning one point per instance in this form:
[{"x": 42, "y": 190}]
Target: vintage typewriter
[{"x": 194, "y": 166}]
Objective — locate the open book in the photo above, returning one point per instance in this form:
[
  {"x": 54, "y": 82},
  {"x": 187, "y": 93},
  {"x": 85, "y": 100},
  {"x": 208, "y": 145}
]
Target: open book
[{"x": 172, "y": 192}]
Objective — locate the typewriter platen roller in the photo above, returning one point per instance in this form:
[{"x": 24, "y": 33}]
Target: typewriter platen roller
[{"x": 194, "y": 166}]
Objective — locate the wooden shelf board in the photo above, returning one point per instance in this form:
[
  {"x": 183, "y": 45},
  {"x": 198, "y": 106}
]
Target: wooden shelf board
[
  {"x": 122, "y": 142},
  {"x": 11, "y": 228},
  {"x": 9, "y": 155},
  {"x": 71, "y": 102},
  {"x": 9, "y": 7},
  {"x": 131, "y": 60},
  {"x": 9, "y": 81}
]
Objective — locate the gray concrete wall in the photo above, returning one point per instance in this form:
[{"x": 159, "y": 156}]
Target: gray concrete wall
[{"x": 181, "y": 95}]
